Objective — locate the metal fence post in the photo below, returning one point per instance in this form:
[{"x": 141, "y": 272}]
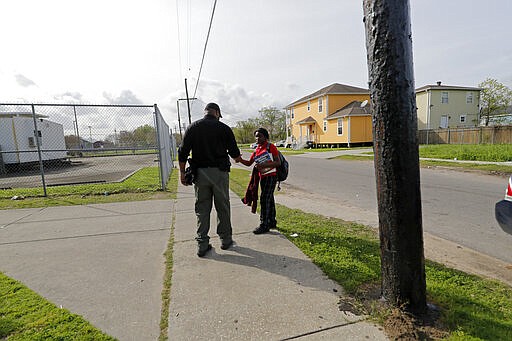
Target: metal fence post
[
  {"x": 38, "y": 143},
  {"x": 2, "y": 165},
  {"x": 160, "y": 156}
]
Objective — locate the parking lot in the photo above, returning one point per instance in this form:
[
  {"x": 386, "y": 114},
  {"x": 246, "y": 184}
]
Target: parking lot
[{"x": 80, "y": 170}]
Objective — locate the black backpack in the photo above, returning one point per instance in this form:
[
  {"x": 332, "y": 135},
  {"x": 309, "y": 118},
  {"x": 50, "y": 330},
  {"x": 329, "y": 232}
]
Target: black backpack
[{"x": 283, "y": 169}]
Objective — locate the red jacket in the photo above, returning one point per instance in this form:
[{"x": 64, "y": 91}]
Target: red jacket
[{"x": 251, "y": 195}]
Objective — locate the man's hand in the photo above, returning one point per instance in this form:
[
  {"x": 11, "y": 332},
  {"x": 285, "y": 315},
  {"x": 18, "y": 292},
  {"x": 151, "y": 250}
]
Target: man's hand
[
  {"x": 182, "y": 178},
  {"x": 182, "y": 172},
  {"x": 238, "y": 158}
]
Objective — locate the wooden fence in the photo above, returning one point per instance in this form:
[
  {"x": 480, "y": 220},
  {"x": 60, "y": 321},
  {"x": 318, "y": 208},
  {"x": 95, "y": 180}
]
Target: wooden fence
[{"x": 475, "y": 135}]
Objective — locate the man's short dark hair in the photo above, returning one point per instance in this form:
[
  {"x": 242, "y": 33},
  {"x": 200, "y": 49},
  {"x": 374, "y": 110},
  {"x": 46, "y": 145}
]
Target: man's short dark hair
[
  {"x": 262, "y": 131},
  {"x": 213, "y": 106}
]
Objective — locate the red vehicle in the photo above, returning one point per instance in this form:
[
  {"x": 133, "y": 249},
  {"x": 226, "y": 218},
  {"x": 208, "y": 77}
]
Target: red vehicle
[{"x": 503, "y": 210}]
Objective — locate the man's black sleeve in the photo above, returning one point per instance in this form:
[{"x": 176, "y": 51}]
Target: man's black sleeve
[
  {"x": 233, "y": 150},
  {"x": 186, "y": 146}
]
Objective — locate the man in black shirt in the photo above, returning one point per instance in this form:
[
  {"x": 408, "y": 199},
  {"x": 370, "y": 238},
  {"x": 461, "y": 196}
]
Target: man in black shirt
[{"x": 210, "y": 141}]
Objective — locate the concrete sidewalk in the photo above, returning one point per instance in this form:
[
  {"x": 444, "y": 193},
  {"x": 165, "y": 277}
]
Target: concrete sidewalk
[
  {"x": 104, "y": 261},
  {"x": 263, "y": 288}
]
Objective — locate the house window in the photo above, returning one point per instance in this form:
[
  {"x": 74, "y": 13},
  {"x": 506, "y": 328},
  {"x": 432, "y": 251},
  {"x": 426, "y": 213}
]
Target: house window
[
  {"x": 320, "y": 104},
  {"x": 444, "y": 97},
  {"x": 309, "y": 105},
  {"x": 40, "y": 137},
  {"x": 293, "y": 116},
  {"x": 340, "y": 126},
  {"x": 325, "y": 126},
  {"x": 469, "y": 97},
  {"x": 463, "y": 118}
]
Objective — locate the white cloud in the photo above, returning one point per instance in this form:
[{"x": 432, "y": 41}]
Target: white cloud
[
  {"x": 260, "y": 53},
  {"x": 126, "y": 97},
  {"x": 69, "y": 97},
  {"x": 24, "y": 81},
  {"x": 236, "y": 102}
]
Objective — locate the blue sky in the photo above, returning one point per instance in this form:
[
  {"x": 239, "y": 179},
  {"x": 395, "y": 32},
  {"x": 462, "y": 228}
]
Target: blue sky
[{"x": 260, "y": 53}]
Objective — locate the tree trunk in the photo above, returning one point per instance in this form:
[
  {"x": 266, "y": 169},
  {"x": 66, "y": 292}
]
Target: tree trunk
[{"x": 391, "y": 79}]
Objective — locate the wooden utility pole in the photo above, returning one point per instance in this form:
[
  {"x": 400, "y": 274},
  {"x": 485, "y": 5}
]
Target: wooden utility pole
[
  {"x": 188, "y": 103},
  {"x": 391, "y": 80},
  {"x": 179, "y": 119}
]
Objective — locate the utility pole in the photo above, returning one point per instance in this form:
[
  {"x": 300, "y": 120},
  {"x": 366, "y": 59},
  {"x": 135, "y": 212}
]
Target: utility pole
[
  {"x": 77, "y": 132},
  {"x": 185, "y": 99},
  {"x": 179, "y": 119},
  {"x": 396, "y": 158},
  {"x": 188, "y": 103}
]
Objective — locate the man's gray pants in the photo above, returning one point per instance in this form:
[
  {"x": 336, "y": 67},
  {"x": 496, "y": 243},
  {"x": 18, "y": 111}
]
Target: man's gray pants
[{"x": 212, "y": 183}]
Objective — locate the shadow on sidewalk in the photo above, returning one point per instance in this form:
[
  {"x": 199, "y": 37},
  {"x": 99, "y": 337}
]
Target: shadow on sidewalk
[{"x": 301, "y": 271}]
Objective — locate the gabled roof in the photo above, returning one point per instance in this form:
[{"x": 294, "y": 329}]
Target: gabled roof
[
  {"x": 352, "y": 109},
  {"x": 446, "y": 87},
  {"x": 308, "y": 119},
  {"x": 333, "y": 89}
]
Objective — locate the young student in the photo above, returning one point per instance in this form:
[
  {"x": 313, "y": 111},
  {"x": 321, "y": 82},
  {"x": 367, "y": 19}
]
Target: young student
[{"x": 266, "y": 158}]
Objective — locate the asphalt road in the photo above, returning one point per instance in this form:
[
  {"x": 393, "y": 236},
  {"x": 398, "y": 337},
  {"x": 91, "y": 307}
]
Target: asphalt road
[
  {"x": 81, "y": 170},
  {"x": 457, "y": 206}
]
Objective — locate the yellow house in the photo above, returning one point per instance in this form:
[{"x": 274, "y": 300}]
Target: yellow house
[
  {"x": 445, "y": 106},
  {"x": 336, "y": 115}
]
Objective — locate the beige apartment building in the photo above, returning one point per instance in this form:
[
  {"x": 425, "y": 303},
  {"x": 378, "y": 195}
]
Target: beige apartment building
[{"x": 446, "y": 106}]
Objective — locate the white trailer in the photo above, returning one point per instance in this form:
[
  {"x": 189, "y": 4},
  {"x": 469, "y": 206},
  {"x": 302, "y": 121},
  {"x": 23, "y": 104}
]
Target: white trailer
[{"x": 18, "y": 142}]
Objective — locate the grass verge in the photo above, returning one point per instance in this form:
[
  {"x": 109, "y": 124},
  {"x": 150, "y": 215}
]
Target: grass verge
[
  {"x": 490, "y": 168},
  {"x": 142, "y": 185},
  {"x": 471, "y": 152},
  {"x": 166, "y": 290},
  {"x": 24, "y": 315},
  {"x": 472, "y": 308}
]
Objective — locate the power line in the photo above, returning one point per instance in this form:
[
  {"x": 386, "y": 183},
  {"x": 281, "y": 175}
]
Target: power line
[
  {"x": 189, "y": 32},
  {"x": 204, "y": 50},
  {"x": 179, "y": 38}
]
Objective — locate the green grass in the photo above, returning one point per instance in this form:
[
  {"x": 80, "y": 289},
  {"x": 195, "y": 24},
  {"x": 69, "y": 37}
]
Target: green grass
[
  {"x": 472, "y": 308},
  {"x": 320, "y": 150},
  {"x": 471, "y": 152},
  {"x": 491, "y": 153},
  {"x": 166, "y": 290},
  {"x": 24, "y": 315},
  {"x": 358, "y": 157},
  {"x": 491, "y": 168},
  {"x": 142, "y": 185}
]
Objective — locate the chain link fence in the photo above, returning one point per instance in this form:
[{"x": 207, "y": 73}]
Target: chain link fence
[{"x": 44, "y": 145}]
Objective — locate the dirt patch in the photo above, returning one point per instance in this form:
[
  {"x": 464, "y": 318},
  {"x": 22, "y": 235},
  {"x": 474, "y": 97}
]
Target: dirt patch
[{"x": 398, "y": 324}]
